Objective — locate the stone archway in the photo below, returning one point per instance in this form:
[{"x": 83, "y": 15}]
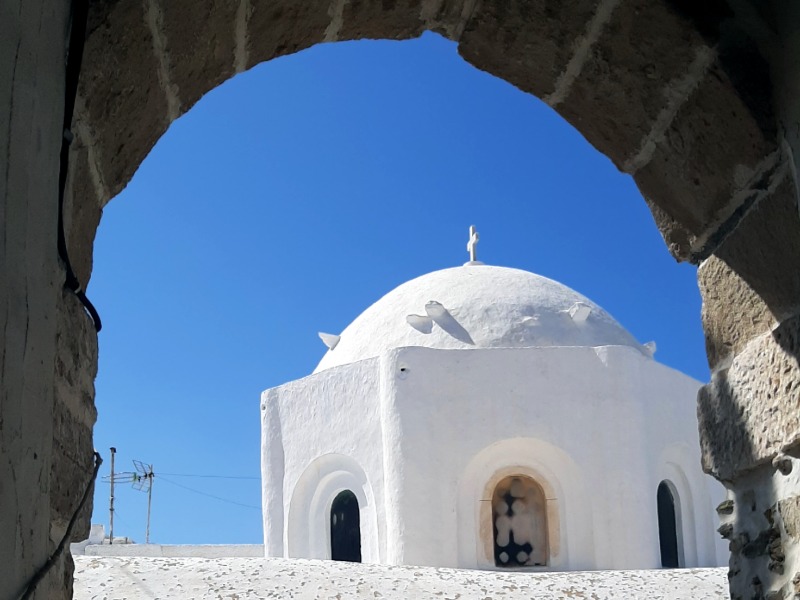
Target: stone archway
[{"x": 695, "y": 100}]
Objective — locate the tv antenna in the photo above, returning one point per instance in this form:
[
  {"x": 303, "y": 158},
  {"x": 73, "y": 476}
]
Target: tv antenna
[{"x": 141, "y": 479}]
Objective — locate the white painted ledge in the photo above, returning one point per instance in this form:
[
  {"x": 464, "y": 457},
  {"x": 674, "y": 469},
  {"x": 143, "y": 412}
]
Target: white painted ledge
[{"x": 140, "y": 578}]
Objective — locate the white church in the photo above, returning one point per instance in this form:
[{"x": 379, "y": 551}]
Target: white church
[{"x": 485, "y": 417}]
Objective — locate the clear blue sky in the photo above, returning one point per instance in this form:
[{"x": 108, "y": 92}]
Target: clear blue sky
[{"x": 295, "y": 195}]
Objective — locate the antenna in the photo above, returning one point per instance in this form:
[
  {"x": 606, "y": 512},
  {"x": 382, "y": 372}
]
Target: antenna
[
  {"x": 144, "y": 483},
  {"x": 141, "y": 479}
]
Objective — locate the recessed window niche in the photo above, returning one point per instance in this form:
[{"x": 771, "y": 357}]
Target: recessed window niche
[{"x": 519, "y": 523}]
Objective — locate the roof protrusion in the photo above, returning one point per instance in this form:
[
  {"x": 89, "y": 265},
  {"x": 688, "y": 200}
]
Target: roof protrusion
[
  {"x": 650, "y": 349},
  {"x": 329, "y": 339},
  {"x": 435, "y": 310},
  {"x": 580, "y": 312},
  {"x": 421, "y": 323}
]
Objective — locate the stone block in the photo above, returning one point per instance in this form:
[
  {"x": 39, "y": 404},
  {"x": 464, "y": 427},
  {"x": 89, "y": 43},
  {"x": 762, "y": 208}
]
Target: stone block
[
  {"x": 82, "y": 213},
  {"x": 125, "y": 104},
  {"x": 628, "y": 79},
  {"x": 76, "y": 360},
  {"x": 733, "y": 313},
  {"x": 714, "y": 149},
  {"x": 71, "y": 471},
  {"x": 381, "y": 19},
  {"x": 74, "y": 415},
  {"x": 201, "y": 43},
  {"x": 752, "y": 409},
  {"x": 285, "y": 27},
  {"x": 529, "y": 44},
  {"x": 789, "y": 509},
  {"x": 764, "y": 250}
]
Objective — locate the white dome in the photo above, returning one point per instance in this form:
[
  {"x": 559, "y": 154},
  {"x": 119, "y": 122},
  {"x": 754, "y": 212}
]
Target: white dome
[{"x": 477, "y": 306}]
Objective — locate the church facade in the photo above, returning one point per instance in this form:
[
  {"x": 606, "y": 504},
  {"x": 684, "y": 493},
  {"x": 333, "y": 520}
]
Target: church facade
[{"x": 487, "y": 417}]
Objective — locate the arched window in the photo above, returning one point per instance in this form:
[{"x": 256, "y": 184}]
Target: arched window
[
  {"x": 668, "y": 526},
  {"x": 519, "y": 521},
  {"x": 345, "y": 528}
]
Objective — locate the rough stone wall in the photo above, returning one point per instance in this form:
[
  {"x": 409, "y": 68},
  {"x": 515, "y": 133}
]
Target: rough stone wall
[
  {"x": 696, "y": 100},
  {"x": 749, "y": 414},
  {"x": 32, "y": 54}
]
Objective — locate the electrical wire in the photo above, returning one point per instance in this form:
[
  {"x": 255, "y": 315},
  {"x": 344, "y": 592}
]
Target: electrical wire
[
  {"x": 39, "y": 575},
  {"x": 220, "y": 498},
  {"x": 80, "y": 16},
  {"x": 209, "y": 476}
]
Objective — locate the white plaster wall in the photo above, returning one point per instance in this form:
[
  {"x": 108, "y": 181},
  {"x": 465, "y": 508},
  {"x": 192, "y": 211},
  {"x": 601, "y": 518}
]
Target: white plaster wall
[
  {"x": 670, "y": 401},
  {"x": 420, "y": 435},
  {"x": 491, "y": 307},
  {"x": 578, "y": 418},
  {"x": 321, "y": 435}
]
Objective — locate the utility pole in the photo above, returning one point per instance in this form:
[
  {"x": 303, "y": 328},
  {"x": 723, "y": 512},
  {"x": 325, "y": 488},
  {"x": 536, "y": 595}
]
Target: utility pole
[
  {"x": 150, "y": 475},
  {"x": 141, "y": 480},
  {"x": 111, "y": 501}
]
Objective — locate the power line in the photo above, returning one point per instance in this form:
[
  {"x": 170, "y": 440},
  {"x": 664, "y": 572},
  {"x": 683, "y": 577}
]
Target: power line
[
  {"x": 208, "y": 476},
  {"x": 180, "y": 485}
]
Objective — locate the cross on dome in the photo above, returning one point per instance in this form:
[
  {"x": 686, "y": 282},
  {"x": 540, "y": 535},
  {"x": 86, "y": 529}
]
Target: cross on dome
[{"x": 472, "y": 246}]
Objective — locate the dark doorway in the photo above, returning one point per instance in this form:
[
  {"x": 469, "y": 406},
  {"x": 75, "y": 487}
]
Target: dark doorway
[
  {"x": 667, "y": 527},
  {"x": 345, "y": 528}
]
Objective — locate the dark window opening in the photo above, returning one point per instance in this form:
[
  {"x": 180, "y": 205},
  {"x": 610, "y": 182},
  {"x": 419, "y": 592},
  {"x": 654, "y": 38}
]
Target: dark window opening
[
  {"x": 345, "y": 528},
  {"x": 667, "y": 527},
  {"x": 519, "y": 523}
]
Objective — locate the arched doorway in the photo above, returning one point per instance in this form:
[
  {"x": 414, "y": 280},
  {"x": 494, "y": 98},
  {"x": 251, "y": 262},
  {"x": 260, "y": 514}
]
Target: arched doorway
[
  {"x": 519, "y": 523},
  {"x": 345, "y": 528},
  {"x": 668, "y": 526}
]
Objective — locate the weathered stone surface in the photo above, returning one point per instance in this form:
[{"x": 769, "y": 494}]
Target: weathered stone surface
[
  {"x": 32, "y": 55},
  {"x": 284, "y": 27},
  {"x": 74, "y": 416},
  {"x": 751, "y": 409},
  {"x": 125, "y": 104},
  {"x": 72, "y": 466},
  {"x": 690, "y": 177},
  {"x": 529, "y": 44},
  {"x": 627, "y": 81},
  {"x": 765, "y": 521},
  {"x": 201, "y": 44},
  {"x": 789, "y": 509},
  {"x": 377, "y": 19},
  {"x": 76, "y": 361},
  {"x": 733, "y": 313},
  {"x": 448, "y": 17},
  {"x": 81, "y": 213},
  {"x": 764, "y": 250}
]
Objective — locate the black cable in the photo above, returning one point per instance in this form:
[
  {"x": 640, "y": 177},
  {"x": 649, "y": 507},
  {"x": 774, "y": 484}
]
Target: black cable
[
  {"x": 80, "y": 16},
  {"x": 39, "y": 575}
]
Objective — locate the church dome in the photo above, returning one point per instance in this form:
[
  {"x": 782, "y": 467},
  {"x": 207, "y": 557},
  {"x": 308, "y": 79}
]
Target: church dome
[{"x": 477, "y": 306}]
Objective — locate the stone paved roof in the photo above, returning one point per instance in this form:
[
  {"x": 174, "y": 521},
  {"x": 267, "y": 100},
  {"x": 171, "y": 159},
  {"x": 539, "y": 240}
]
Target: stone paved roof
[{"x": 147, "y": 578}]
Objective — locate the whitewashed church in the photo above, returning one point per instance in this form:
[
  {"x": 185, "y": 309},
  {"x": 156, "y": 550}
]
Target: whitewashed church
[{"x": 487, "y": 417}]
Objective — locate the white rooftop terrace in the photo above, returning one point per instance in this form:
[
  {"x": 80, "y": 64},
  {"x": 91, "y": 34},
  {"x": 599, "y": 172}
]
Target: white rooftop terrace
[{"x": 145, "y": 578}]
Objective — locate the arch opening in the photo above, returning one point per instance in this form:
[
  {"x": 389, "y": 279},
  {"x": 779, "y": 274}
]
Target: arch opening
[
  {"x": 668, "y": 526},
  {"x": 345, "y": 528},
  {"x": 519, "y": 523}
]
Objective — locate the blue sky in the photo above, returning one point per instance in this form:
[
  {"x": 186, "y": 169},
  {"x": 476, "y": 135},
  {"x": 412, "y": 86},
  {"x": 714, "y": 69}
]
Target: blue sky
[{"x": 292, "y": 197}]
